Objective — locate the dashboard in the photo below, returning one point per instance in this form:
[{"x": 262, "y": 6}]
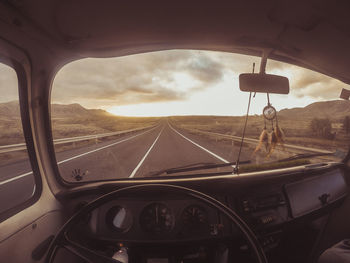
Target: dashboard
[
  {"x": 275, "y": 206},
  {"x": 165, "y": 217}
]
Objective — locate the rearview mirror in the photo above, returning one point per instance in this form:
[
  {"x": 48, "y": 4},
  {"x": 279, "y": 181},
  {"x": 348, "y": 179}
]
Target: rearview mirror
[{"x": 265, "y": 83}]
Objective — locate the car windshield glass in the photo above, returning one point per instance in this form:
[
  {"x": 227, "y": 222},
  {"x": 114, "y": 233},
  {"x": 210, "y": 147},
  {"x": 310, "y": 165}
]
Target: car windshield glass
[{"x": 142, "y": 115}]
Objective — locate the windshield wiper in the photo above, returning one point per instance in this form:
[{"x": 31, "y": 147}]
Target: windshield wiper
[
  {"x": 194, "y": 167},
  {"x": 305, "y": 155}
]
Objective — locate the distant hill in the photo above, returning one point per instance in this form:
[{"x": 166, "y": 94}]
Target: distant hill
[
  {"x": 335, "y": 109},
  {"x": 76, "y": 110},
  {"x": 11, "y": 110},
  {"x": 67, "y": 121}
]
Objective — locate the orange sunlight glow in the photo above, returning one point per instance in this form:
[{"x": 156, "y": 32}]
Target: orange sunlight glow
[{"x": 142, "y": 110}]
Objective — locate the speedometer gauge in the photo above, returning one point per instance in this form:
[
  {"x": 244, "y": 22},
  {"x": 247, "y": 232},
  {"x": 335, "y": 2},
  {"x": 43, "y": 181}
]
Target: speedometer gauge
[{"x": 156, "y": 218}]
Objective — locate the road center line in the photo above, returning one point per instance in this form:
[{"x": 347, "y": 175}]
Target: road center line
[
  {"x": 199, "y": 146},
  {"x": 74, "y": 157},
  {"x": 144, "y": 157}
]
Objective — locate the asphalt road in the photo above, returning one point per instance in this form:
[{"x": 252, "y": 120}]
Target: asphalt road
[
  {"x": 140, "y": 154},
  {"x": 133, "y": 155}
]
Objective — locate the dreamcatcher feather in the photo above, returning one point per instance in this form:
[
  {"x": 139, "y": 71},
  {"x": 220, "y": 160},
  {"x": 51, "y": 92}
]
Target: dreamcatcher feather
[
  {"x": 263, "y": 140},
  {"x": 277, "y": 137},
  {"x": 280, "y": 136}
]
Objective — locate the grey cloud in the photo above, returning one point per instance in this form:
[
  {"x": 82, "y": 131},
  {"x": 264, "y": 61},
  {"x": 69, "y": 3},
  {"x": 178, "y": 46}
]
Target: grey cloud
[
  {"x": 135, "y": 79},
  {"x": 150, "y": 77},
  {"x": 304, "y": 82},
  {"x": 315, "y": 85},
  {"x": 321, "y": 90},
  {"x": 205, "y": 69}
]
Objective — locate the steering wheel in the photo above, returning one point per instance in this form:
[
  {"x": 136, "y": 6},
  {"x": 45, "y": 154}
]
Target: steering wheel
[{"x": 62, "y": 239}]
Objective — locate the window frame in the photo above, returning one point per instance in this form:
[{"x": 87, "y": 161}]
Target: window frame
[{"x": 23, "y": 78}]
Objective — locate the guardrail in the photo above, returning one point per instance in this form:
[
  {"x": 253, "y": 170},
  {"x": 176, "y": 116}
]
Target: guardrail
[
  {"x": 255, "y": 141},
  {"x": 23, "y": 146}
]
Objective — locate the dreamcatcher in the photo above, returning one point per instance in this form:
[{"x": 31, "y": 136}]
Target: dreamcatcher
[{"x": 269, "y": 139}]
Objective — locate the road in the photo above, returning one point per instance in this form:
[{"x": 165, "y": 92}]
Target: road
[
  {"x": 132, "y": 155},
  {"x": 162, "y": 147}
]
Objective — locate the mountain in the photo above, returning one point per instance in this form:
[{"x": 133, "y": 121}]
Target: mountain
[
  {"x": 335, "y": 109},
  {"x": 11, "y": 110},
  {"x": 67, "y": 121},
  {"x": 76, "y": 111}
]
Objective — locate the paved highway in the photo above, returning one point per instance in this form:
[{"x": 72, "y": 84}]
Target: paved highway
[
  {"x": 138, "y": 155},
  {"x": 131, "y": 155}
]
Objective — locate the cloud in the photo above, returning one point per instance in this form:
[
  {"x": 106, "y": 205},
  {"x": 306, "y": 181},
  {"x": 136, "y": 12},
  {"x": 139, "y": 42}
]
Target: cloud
[
  {"x": 143, "y": 78},
  {"x": 307, "y": 83},
  {"x": 205, "y": 69},
  {"x": 173, "y": 75}
]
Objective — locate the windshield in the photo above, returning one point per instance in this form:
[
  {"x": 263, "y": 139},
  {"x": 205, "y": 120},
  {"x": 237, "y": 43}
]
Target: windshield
[{"x": 141, "y": 115}]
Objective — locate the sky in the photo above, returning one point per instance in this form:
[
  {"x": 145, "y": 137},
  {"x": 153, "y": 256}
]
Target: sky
[{"x": 177, "y": 82}]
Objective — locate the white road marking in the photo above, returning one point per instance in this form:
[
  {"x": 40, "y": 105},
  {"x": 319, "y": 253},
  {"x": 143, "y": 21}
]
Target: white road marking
[
  {"x": 199, "y": 146},
  {"x": 15, "y": 178},
  {"x": 74, "y": 157},
  {"x": 144, "y": 157}
]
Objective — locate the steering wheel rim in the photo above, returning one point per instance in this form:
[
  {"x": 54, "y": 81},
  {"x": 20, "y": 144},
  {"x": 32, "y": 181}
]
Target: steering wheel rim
[{"x": 61, "y": 236}]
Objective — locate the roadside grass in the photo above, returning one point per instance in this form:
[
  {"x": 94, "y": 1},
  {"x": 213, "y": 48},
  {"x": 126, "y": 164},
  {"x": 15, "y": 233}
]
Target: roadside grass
[
  {"x": 63, "y": 128},
  {"x": 296, "y": 130}
]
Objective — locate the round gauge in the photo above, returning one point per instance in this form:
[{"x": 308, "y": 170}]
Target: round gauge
[
  {"x": 119, "y": 218},
  {"x": 194, "y": 218},
  {"x": 156, "y": 218}
]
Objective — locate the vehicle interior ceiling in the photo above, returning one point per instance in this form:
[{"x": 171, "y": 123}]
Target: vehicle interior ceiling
[{"x": 282, "y": 207}]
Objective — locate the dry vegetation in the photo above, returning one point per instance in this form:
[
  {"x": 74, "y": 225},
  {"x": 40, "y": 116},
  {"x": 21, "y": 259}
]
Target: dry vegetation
[
  {"x": 296, "y": 124},
  {"x": 67, "y": 121},
  {"x": 74, "y": 120},
  {"x": 71, "y": 127},
  {"x": 296, "y": 129}
]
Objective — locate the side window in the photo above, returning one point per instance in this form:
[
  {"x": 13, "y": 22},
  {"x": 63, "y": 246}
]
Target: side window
[{"x": 17, "y": 184}]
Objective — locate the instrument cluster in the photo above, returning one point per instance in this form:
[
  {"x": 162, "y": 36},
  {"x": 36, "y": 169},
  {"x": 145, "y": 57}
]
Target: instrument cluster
[{"x": 155, "y": 220}]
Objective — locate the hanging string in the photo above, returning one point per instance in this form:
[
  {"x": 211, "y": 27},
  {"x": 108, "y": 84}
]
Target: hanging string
[{"x": 235, "y": 170}]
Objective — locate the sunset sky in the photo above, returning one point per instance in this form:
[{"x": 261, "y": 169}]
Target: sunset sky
[{"x": 178, "y": 82}]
